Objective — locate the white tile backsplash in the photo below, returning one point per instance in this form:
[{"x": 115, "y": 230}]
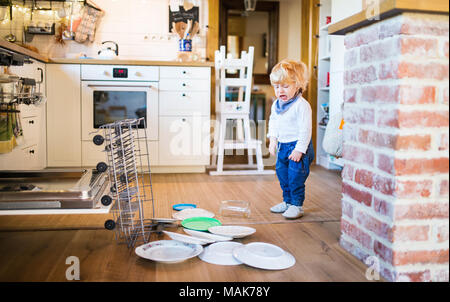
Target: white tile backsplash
[{"x": 140, "y": 27}]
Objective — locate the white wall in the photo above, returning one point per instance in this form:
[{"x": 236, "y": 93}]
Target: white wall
[{"x": 140, "y": 27}]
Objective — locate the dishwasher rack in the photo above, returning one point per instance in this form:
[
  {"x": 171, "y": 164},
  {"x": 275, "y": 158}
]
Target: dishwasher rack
[{"x": 129, "y": 173}]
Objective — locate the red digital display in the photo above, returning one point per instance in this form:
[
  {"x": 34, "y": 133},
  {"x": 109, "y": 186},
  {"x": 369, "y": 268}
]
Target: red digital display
[{"x": 120, "y": 72}]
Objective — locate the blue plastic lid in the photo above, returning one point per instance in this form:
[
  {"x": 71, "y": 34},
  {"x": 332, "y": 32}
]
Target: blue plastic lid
[{"x": 182, "y": 206}]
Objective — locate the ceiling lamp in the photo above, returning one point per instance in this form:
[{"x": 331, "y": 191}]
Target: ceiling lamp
[{"x": 250, "y": 5}]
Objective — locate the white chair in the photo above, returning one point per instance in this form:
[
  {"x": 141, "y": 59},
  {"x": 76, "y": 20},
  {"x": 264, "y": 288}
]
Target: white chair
[{"x": 237, "y": 111}]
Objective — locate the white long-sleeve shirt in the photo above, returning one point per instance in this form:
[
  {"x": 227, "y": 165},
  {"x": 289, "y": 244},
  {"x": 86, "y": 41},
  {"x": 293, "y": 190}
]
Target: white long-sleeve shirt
[{"x": 295, "y": 124}]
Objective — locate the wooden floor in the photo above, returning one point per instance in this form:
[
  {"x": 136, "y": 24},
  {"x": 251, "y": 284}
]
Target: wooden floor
[{"x": 35, "y": 248}]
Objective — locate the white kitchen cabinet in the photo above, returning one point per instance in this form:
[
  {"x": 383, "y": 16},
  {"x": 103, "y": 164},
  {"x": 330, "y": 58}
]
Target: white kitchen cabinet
[
  {"x": 64, "y": 115},
  {"x": 30, "y": 153},
  {"x": 184, "y": 121},
  {"x": 185, "y": 140}
]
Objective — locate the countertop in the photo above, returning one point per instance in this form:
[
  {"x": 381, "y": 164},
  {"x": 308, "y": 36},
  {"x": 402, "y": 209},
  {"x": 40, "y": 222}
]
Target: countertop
[
  {"x": 19, "y": 49},
  {"x": 387, "y": 9}
]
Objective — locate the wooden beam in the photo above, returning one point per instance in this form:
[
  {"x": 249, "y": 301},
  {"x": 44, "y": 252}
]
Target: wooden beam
[
  {"x": 386, "y": 9},
  {"x": 212, "y": 44}
]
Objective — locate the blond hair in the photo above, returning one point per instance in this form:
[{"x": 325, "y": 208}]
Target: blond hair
[{"x": 290, "y": 72}]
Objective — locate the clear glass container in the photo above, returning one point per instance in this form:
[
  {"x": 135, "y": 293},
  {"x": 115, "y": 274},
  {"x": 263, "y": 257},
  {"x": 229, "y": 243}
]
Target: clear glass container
[{"x": 237, "y": 208}]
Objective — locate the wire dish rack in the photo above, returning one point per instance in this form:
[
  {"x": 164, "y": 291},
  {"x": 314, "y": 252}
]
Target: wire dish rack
[{"x": 128, "y": 164}]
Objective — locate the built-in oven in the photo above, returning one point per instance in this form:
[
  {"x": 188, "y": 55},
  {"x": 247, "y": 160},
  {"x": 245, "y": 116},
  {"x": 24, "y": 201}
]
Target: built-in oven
[{"x": 111, "y": 93}]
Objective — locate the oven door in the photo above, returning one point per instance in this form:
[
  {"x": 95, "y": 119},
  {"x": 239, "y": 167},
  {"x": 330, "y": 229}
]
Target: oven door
[{"x": 104, "y": 102}]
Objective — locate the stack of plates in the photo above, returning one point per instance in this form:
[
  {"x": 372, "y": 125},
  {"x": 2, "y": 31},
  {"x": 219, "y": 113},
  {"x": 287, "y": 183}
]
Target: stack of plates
[
  {"x": 264, "y": 255},
  {"x": 168, "y": 251},
  {"x": 192, "y": 212}
]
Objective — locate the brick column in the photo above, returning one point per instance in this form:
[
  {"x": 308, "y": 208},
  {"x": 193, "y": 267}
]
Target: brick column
[{"x": 395, "y": 203}]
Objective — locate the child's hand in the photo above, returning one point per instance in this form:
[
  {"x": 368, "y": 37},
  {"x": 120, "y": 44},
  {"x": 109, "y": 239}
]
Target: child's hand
[
  {"x": 273, "y": 146},
  {"x": 295, "y": 156}
]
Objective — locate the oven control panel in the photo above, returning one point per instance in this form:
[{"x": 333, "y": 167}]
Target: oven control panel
[{"x": 120, "y": 73}]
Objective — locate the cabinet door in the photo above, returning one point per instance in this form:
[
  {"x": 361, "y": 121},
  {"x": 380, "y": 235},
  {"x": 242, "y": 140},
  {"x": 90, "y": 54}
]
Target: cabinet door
[
  {"x": 63, "y": 115},
  {"x": 186, "y": 140}
]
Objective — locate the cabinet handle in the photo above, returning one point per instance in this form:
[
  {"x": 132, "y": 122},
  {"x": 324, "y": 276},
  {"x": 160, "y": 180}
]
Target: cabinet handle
[
  {"x": 31, "y": 122},
  {"x": 184, "y": 94},
  {"x": 42, "y": 75},
  {"x": 183, "y": 119},
  {"x": 31, "y": 151},
  {"x": 184, "y": 71},
  {"x": 184, "y": 84}
]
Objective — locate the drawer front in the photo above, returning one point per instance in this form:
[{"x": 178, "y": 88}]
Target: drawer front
[
  {"x": 169, "y": 72},
  {"x": 184, "y": 140},
  {"x": 183, "y": 85},
  {"x": 182, "y": 103},
  {"x": 27, "y": 158},
  {"x": 31, "y": 130},
  {"x": 105, "y": 73}
]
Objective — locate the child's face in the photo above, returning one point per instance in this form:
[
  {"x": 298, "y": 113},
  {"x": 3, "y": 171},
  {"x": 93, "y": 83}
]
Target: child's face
[{"x": 284, "y": 91}]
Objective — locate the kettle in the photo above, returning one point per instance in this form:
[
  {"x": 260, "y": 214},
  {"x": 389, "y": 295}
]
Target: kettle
[{"x": 108, "y": 52}]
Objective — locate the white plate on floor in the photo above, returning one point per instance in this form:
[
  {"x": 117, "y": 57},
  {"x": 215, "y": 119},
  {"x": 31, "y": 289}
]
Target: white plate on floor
[
  {"x": 206, "y": 235},
  {"x": 168, "y": 251},
  {"x": 220, "y": 253},
  {"x": 187, "y": 239},
  {"x": 234, "y": 231},
  {"x": 189, "y": 213},
  {"x": 264, "y": 255}
]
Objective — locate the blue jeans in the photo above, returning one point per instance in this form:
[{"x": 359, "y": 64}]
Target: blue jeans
[{"x": 292, "y": 175}]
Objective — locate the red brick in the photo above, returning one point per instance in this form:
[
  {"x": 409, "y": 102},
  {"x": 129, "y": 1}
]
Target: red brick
[
  {"x": 347, "y": 172},
  {"x": 347, "y": 209},
  {"x": 412, "y": 119},
  {"x": 419, "y": 47},
  {"x": 357, "y": 195},
  {"x": 430, "y": 70},
  {"x": 413, "y": 189},
  {"x": 356, "y": 233},
  {"x": 446, "y": 49},
  {"x": 350, "y": 95},
  {"x": 441, "y": 233},
  {"x": 445, "y": 95},
  {"x": 384, "y": 185},
  {"x": 380, "y": 51},
  {"x": 415, "y": 25},
  {"x": 376, "y": 139},
  {"x": 383, "y": 251},
  {"x": 387, "y": 118},
  {"x": 359, "y": 116},
  {"x": 383, "y": 207},
  {"x": 350, "y": 58},
  {"x": 411, "y": 95},
  {"x": 354, "y": 250},
  {"x": 380, "y": 94},
  {"x": 364, "y": 177},
  {"x": 443, "y": 188},
  {"x": 443, "y": 142},
  {"x": 385, "y": 163},
  {"x": 426, "y": 210},
  {"x": 423, "y": 276},
  {"x": 374, "y": 225},
  {"x": 388, "y": 70},
  {"x": 361, "y": 37},
  {"x": 413, "y": 142},
  {"x": 416, "y": 257},
  {"x": 358, "y": 154},
  {"x": 410, "y": 233},
  {"x": 360, "y": 75},
  {"x": 413, "y": 166}
]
